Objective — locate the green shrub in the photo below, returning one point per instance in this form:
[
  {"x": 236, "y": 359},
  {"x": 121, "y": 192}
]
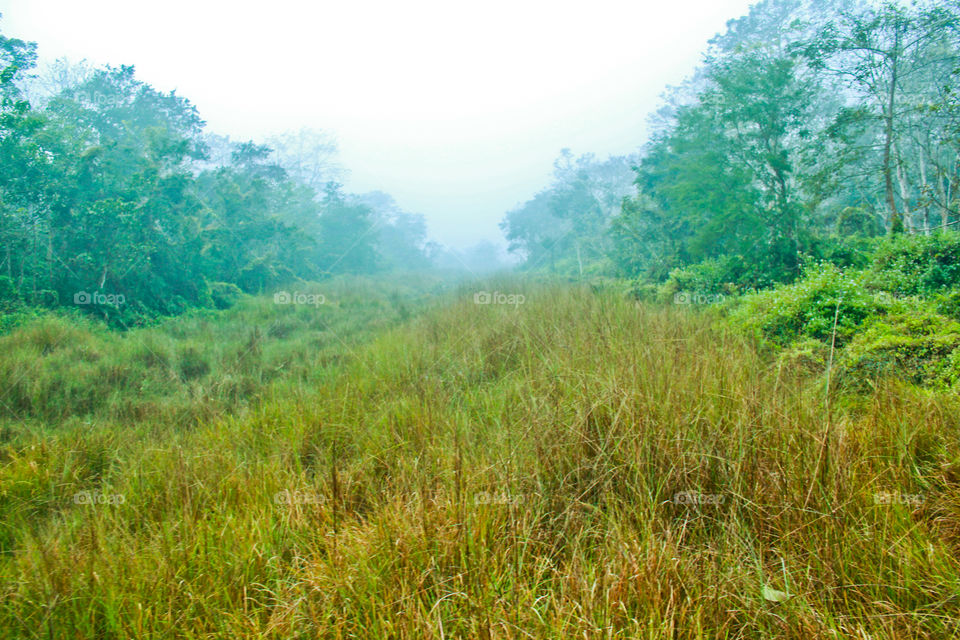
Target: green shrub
[
  {"x": 919, "y": 346},
  {"x": 915, "y": 265},
  {"x": 948, "y": 304},
  {"x": 806, "y": 355},
  {"x": 808, "y": 307},
  {"x": 724, "y": 275},
  {"x": 857, "y": 221},
  {"x": 642, "y": 291},
  {"x": 846, "y": 252},
  {"x": 9, "y": 297},
  {"x": 10, "y": 320},
  {"x": 224, "y": 294}
]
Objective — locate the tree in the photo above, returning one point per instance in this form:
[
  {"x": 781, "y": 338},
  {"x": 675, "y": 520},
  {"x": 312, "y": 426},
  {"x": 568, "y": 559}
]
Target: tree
[
  {"x": 110, "y": 189},
  {"x": 308, "y": 156},
  {"x": 567, "y": 223},
  {"x": 347, "y": 234},
  {"x": 722, "y": 180},
  {"x": 401, "y": 236},
  {"x": 879, "y": 53}
]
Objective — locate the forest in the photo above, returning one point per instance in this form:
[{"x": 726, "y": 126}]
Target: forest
[{"x": 706, "y": 389}]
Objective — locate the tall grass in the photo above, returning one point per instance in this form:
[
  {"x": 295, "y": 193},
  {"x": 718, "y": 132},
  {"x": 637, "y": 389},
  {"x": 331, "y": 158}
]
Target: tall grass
[
  {"x": 572, "y": 466},
  {"x": 62, "y": 369}
]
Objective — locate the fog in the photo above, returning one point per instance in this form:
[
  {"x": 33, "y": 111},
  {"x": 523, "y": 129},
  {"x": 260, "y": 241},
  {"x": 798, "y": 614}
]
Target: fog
[
  {"x": 457, "y": 110},
  {"x": 437, "y": 320}
]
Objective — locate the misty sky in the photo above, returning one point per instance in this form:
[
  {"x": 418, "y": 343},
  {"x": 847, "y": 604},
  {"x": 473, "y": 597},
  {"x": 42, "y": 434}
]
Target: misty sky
[{"x": 456, "y": 109}]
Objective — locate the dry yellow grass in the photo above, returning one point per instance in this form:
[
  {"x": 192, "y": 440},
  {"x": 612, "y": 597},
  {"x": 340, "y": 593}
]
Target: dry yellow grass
[{"x": 575, "y": 466}]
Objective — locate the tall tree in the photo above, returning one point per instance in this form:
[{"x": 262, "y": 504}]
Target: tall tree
[{"x": 879, "y": 53}]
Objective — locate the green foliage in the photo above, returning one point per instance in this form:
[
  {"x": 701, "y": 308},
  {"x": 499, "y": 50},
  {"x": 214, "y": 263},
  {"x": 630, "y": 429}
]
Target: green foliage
[
  {"x": 805, "y": 355},
  {"x": 948, "y": 304},
  {"x": 9, "y": 296},
  {"x": 720, "y": 183},
  {"x": 642, "y": 291},
  {"x": 346, "y": 235},
  {"x": 224, "y": 294},
  {"x": 880, "y": 330},
  {"x": 845, "y": 252},
  {"x": 917, "y": 345},
  {"x": 723, "y": 275},
  {"x": 858, "y": 221},
  {"x": 780, "y": 150},
  {"x": 110, "y": 204},
  {"x": 913, "y": 265},
  {"x": 810, "y": 307},
  {"x": 565, "y": 228}
]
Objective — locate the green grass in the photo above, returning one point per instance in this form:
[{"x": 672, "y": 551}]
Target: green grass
[
  {"x": 442, "y": 469},
  {"x": 64, "y": 368}
]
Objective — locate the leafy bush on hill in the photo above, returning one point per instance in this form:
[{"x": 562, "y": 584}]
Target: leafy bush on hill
[
  {"x": 916, "y": 265},
  {"x": 721, "y": 275},
  {"x": 918, "y": 346},
  {"x": 900, "y": 317},
  {"x": 808, "y": 307}
]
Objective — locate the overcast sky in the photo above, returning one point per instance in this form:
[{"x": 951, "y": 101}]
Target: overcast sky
[{"x": 457, "y": 109}]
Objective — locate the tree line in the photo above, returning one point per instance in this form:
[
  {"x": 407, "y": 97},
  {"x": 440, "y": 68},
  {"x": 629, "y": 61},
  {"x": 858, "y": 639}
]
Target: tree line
[
  {"x": 810, "y": 126},
  {"x": 115, "y": 199}
]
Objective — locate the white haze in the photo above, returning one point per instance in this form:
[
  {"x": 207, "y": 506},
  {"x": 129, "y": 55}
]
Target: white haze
[{"x": 456, "y": 109}]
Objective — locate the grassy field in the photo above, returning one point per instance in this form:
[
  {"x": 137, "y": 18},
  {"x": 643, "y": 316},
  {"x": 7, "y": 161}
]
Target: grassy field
[{"x": 411, "y": 464}]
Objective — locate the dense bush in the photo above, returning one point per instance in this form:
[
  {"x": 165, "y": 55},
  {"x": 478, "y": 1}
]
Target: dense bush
[
  {"x": 809, "y": 307},
  {"x": 224, "y": 295},
  {"x": 917, "y": 345},
  {"x": 899, "y": 318},
  {"x": 846, "y": 252},
  {"x": 914, "y": 265},
  {"x": 948, "y": 304},
  {"x": 722, "y": 275}
]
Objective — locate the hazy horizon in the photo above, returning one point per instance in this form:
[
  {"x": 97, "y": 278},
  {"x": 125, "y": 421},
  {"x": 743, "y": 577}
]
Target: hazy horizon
[{"x": 460, "y": 122}]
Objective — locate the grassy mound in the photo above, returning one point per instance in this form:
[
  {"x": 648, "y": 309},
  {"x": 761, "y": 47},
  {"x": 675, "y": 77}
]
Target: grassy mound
[
  {"x": 877, "y": 332},
  {"x": 921, "y": 347}
]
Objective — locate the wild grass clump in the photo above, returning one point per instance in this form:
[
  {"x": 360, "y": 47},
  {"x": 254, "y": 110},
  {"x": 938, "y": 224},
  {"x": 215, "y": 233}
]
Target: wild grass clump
[{"x": 572, "y": 465}]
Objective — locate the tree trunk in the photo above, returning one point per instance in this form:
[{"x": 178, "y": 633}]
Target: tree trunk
[
  {"x": 896, "y": 225},
  {"x": 943, "y": 186},
  {"x": 904, "y": 192},
  {"x": 925, "y": 191}
]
